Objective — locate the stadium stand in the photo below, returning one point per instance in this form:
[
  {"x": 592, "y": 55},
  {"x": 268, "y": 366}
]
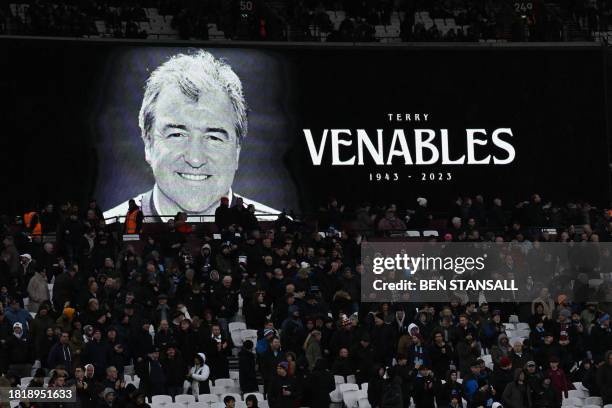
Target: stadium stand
[
  {"x": 175, "y": 319},
  {"x": 332, "y": 21}
]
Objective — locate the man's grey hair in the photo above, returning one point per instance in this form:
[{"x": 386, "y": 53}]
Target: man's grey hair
[{"x": 193, "y": 73}]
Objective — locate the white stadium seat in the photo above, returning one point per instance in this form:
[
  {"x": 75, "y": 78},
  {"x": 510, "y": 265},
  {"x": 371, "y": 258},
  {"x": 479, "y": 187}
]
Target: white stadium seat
[
  {"x": 335, "y": 396},
  {"x": 347, "y": 387},
  {"x": 522, "y": 326},
  {"x": 364, "y": 403},
  {"x": 237, "y": 326},
  {"x": 208, "y": 398},
  {"x": 593, "y": 401},
  {"x": 199, "y": 404},
  {"x": 577, "y": 394},
  {"x": 249, "y": 335},
  {"x": 572, "y": 402},
  {"x": 350, "y": 399},
  {"x": 161, "y": 400},
  {"x": 184, "y": 398}
]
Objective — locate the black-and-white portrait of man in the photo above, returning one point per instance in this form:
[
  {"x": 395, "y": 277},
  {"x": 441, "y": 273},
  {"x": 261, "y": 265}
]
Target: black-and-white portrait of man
[{"x": 192, "y": 120}]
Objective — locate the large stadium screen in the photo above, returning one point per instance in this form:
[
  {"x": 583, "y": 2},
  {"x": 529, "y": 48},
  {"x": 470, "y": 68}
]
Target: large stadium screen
[{"x": 288, "y": 127}]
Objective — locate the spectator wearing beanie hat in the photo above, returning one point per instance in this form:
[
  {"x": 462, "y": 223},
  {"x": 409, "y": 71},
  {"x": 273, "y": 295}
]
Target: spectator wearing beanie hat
[
  {"x": 284, "y": 392},
  {"x": 503, "y": 374}
]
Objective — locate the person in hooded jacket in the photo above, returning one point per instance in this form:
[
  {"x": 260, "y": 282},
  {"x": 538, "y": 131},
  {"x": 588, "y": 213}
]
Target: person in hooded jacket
[
  {"x": 517, "y": 393},
  {"x": 449, "y": 389},
  {"x": 501, "y": 349},
  {"x": 197, "y": 377},
  {"x": 19, "y": 351}
]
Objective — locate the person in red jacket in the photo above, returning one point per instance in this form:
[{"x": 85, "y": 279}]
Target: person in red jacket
[{"x": 559, "y": 381}]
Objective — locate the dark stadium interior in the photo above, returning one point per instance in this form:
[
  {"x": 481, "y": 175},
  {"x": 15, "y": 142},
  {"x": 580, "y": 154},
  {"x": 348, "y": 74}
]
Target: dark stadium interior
[{"x": 267, "y": 300}]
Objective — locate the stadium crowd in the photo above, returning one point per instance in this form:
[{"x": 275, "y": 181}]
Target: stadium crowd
[
  {"x": 165, "y": 306},
  {"x": 310, "y": 20}
]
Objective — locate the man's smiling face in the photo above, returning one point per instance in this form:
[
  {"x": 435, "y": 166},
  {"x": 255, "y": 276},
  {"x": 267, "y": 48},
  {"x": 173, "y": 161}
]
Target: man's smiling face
[{"x": 193, "y": 148}]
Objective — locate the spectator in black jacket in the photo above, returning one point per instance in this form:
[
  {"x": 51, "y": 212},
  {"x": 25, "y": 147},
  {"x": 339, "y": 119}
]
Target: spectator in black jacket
[
  {"x": 96, "y": 353},
  {"x": 44, "y": 344},
  {"x": 601, "y": 338},
  {"x": 61, "y": 353},
  {"x": 269, "y": 360},
  {"x": 502, "y": 375},
  {"x": 142, "y": 342},
  {"x": 217, "y": 352},
  {"x": 151, "y": 373},
  {"x": 449, "y": 389},
  {"x": 20, "y": 351},
  {"x": 425, "y": 387},
  {"x": 319, "y": 384},
  {"x": 587, "y": 375},
  {"x": 604, "y": 378},
  {"x": 284, "y": 391},
  {"x": 362, "y": 359},
  {"x": 246, "y": 363},
  {"x": 175, "y": 371}
]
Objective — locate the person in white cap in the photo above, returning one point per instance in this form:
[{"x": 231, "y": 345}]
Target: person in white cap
[
  {"x": 19, "y": 351},
  {"x": 197, "y": 378}
]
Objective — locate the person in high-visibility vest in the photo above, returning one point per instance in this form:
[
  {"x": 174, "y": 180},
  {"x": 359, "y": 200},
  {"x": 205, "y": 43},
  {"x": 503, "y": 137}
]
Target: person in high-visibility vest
[
  {"x": 32, "y": 222},
  {"x": 133, "y": 219}
]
